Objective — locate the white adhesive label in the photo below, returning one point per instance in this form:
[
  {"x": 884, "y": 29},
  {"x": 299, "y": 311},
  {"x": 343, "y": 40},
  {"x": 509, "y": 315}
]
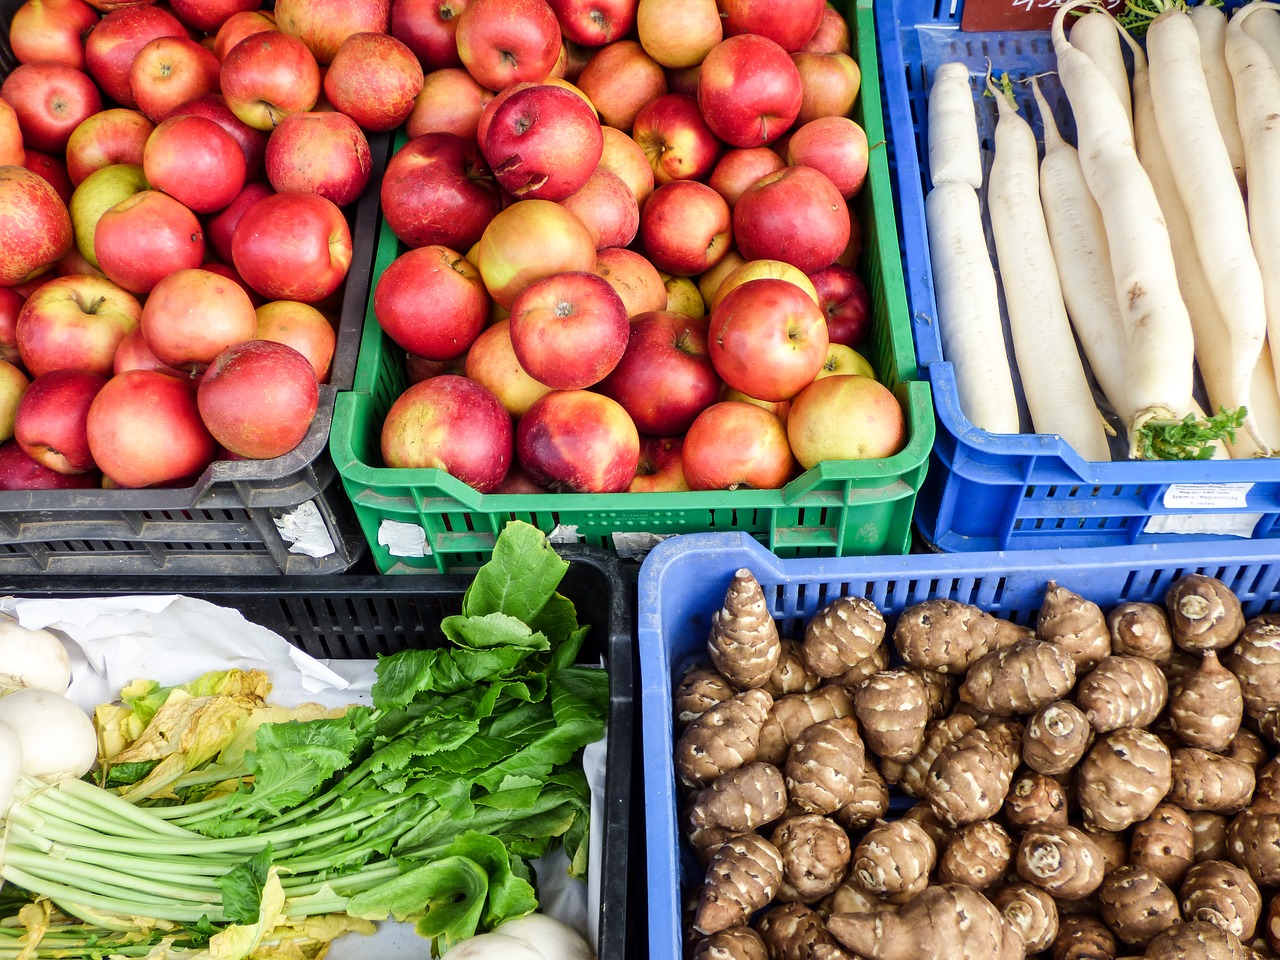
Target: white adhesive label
[
  {"x": 564, "y": 533},
  {"x": 304, "y": 530},
  {"x": 635, "y": 545},
  {"x": 1205, "y": 496},
  {"x": 403, "y": 539},
  {"x": 1219, "y": 524}
]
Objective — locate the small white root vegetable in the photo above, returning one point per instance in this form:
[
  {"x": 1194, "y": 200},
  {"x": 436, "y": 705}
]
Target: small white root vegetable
[
  {"x": 58, "y": 739},
  {"x": 1257, "y": 86},
  {"x": 1219, "y": 226},
  {"x": 492, "y": 946},
  {"x": 1079, "y": 242},
  {"x": 1211, "y": 24},
  {"x": 954, "y": 153},
  {"x": 1161, "y": 348},
  {"x": 969, "y": 308},
  {"x": 10, "y": 765},
  {"x": 32, "y": 658},
  {"x": 1094, "y": 35},
  {"x": 553, "y": 939},
  {"x": 1053, "y": 377}
]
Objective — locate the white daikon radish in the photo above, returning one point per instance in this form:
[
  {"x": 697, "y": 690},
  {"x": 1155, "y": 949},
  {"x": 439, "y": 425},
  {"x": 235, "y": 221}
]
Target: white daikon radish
[
  {"x": 1211, "y": 25},
  {"x": 1264, "y": 26},
  {"x": 1079, "y": 242},
  {"x": 1219, "y": 226},
  {"x": 969, "y": 308},
  {"x": 954, "y": 153},
  {"x": 32, "y": 658},
  {"x": 1095, "y": 35},
  {"x": 1161, "y": 348},
  {"x": 10, "y": 765},
  {"x": 1257, "y": 86},
  {"x": 553, "y": 939},
  {"x": 1053, "y": 378},
  {"x": 1264, "y": 404},
  {"x": 1212, "y": 341},
  {"x": 57, "y": 737}
]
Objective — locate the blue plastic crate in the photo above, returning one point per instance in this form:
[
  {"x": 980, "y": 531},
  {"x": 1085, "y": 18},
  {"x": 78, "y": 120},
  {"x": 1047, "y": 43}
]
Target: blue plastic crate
[
  {"x": 684, "y": 580},
  {"x": 1010, "y": 492}
]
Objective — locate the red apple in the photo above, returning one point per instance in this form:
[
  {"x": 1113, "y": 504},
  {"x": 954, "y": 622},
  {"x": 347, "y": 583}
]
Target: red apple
[
  {"x": 749, "y": 270},
  {"x": 322, "y": 152},
  {"x": 542, "y": 142},
  {"x": 35, "y": 227},
  {"x": 450, "y": 102},
  {"x": 258, "y": 398},
  {"x": 228, "y": 272},
  {"x": 606, "y": 205},
  {"x": 113, "y": 44},
  {"x": 207, "y": 16},
  {"x": 569, "y": 329},
  {"x": 145, "y": 238},
  {"x": 195, "y": 161},
  {"x": 437, "y": 189},
  {"x": 684, "y": 80},
  {"x": 594, "y": 23},
  {"x": 517, "y": 481},
  {"x": 191, "y": 316},
  {"x": 417, "y": 369},
  {"x": 453, "y": 424},
  {"x": 623, "y": 156},
  {"x": 660, "y": 469},
  {"x": 292, "y": 246},
  {"x": 431, "y": 302},
  {"x": 109, "y": 136},
  {"x": 168, "y": 72},
  {"x": 19, "y": 472},
  {"x": 240, "y": 25},
  {"x": 796, "y": 215},
  {"x": 527, "y": 241},
  {"x": 75, "y": 322},
  {"x": 52, "y": 169},
  {"x": 220, "y": 229},
  {"x": 324, "y": 26},
  {"x": 830, "y": 81},
  {"x": 374, "y": 79},
  {"x": 50, "y": 99},
  {"x": 51, "y": 30},
  {"x": 790, "y": 25},
  {"x": 50, "y": 420},
  {"x": 734, "y": 444},
  {"x": 678, "y": 33},
  {"x": 302, "y": 327},
  {"x": 620, "y": 78},
  {"x": 686, "y": 227},
  {"x": 13, "y": 384},
  {"x": 502, "y": 42},
  {"x": 832, "y": 35},
  {"x": 633, "y": 278},
  {"x": 665, "y": 378},
  {"x": 428, "y": 28},
  {"x": 845, "y": 418},
  {"x": 134, "y": 354},
  {"x": 97, "y": 193},
  {"x": 673, "y": 134},
  {"x": 10, "y": 306},
  {"x": 267, "y": 76},
  {"x": 740, "y": 168},
  {"x": 846, "y": 302},
  {"x": 578, "y": 441},
  {"x": 491, "y": 362},
  {"x": 253, "y": 143},
  {"x": 835, "y": 146},
  {"x": 749, "y": 91},
  {"x": 145, "y": 430},
  {"x": 768, "y": 339}
]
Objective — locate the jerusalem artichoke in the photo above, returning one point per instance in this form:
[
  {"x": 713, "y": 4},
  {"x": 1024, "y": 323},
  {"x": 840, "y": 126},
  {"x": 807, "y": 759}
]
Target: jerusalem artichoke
[
  {"x": 742, "y": 877},
  {"x": 1018, "y": 679},
  {"x": 1122, "y": 692},
  {"x": 1203, "y": 613},
  {"x": 725, "y": 737},
  {"x": 948, "y": 636},
  {"x": 945, "y": 922},
  {"x": 1164, "y": 843},
  {"x": 1075, "y": 624},
  {"x": 1206, "y": 706},
  {"x": 815, "y": 857},
  {"x": 893, "y": 860},
  {"x": 1122, "y": 778},
  {"x": 1031, "y": 912},
  {"x": 1056, "y": 737},
  {"x": 1136, "y": 904},
  {"x": 970, "y": 778},
  {"x": 700, "y": 689},
  {"x": 733, "y": 943},
  {"x": 744, "y": 643},
  {"x": 793, "y": 931},
  {"x": 892, "y": 710},
  {"x": 824, "y": 766},
  {"x": 846, "y": 631},
  {"x": 1222, "y": 893},
  {"x": 741, "y": 800},
  {"x": 977, "y": 855},
  {"x": 1140, "y": 630},
  {"x": 1255, "y": 660},
  {"x": 1063, "y": 861}
]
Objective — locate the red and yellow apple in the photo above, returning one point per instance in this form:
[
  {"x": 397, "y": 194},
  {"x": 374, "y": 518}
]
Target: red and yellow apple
[
  {"x": 293, "y": 246},
  {"x": 734, "y": 444},
  {"x": 686, "y": 228},
  {"x": 35, "y": 227},
  {"x": 569, "y": 329},
  {"x": 431, "y": 302},
  {"x": 258, "y": 398},
  {"x": 146, "y": 237},
  {"x": 322, "y": 152},
  {"x": 578, "y": 441},
  {"x": 845, "y": 417},
  {"x": 75, "y": 322}
]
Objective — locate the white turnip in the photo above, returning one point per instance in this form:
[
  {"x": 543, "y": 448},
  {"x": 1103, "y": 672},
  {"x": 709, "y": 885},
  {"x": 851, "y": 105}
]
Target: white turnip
[
  {"x": 553, "y": 939},
  {"x": 58, "y": 738},
  {"x": 32, "y": 658}
]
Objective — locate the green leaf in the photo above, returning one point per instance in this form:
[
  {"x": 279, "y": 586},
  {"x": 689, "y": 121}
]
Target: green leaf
[
  {"x": 510, "y": 893},
  {"x": 406, "y": 675},
  {"x": 557, "y": 620},
  {"x": 445, "y": 899},
  {"x": 242, "y": 886},
  {"x": 126, "y": 774},
  {"x": 520, "y": 576},
  {"x": 291, "y": 761}
]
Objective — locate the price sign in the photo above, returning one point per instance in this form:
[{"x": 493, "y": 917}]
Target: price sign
[{"x": 980, "y": 16}]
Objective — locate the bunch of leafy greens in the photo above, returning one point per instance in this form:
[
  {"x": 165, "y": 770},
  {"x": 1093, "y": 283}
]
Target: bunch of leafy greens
[{"x": 424, "y": 807}]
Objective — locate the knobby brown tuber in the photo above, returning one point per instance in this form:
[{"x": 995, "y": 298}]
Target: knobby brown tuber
[
  {"x": 1220, "y": 892},
  {"x": 724, "y": 738},
  {"x": 1122, "y": 778},
  {"x": 815, "y": 857},
  {"x": 1018, "y": 679},
  {"x": 1203, "y": 613},
  {"x": 744, "y": 643},
  {"x": 970, "y": 778},
  {"x": 1075, "y": 624},
  {"x": 1137, "y": 905},
  {"x": 824, "y": 766},
  {"x": 946, "y": 922},
  {"x": 1206, "y": 706},
  {"x": 743, "y": 876},
  {"x": 1140, "y": 630},
  {"x": 841, "y": 634},
  {"x": 1122, "y": 692},
  {"x": 948, "y": 636},
  {"x": 892, "y": 708}
]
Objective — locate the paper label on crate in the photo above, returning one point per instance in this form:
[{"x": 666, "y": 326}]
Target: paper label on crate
[
  {"x": 305, "y": 531},
  {"x": 1206, "y": 496},
  {"x": 564, "y": 533},
  {"x": 981, "y": 16},
  {"x": 403, "y": 539},
  {"x": 1217, "y": 524},
  {"x": 635, "y": 545}
]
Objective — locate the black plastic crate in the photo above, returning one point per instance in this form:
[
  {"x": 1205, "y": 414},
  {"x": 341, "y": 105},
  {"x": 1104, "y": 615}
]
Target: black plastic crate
[
  {"x": 225, "y": 522},
  {"x": 354, "y": 617}
]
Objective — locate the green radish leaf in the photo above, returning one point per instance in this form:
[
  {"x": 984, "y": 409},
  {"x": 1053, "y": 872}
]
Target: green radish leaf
[
  {"x": 520, "y": 577},
  {"x": 242, "y": 885}
]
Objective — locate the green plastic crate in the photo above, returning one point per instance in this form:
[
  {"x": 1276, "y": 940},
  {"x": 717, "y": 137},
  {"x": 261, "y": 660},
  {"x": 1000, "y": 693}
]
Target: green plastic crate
[{"x": 843, "y": 508}]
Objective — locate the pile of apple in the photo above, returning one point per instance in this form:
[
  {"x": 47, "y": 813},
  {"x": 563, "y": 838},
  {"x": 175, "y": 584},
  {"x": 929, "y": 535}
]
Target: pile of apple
[
  {"x": 173, "y": 241},
  {"x": 630, "y": 255}
]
